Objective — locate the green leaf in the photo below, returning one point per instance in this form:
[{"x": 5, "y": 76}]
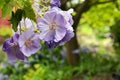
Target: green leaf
[
  {"x": 20, "y": 2},
  {"x": 7, "y": 1},
  {"x": 2, "y": 2},
  {"x": 16, "y": 18},
  {"x": 28, "y": 11},
  {"x": 19, "y": 14},
  {"x": 7, "y": 8}
]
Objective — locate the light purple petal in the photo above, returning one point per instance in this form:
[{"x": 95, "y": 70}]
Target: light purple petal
[
  {"x": 50, "y": 15},
  {"x": 26, "y": 51},
  {"x": 32, "y": 50},
  {"x": 60, "y": 20},
  {"x": 43, "y": 34},
  {"x": 42, "y": 24},
  {"x": 26, "y": 23},
  {"x": 60, "y": 33},
  {"x": 42, "y": 21},
  {"x": 55, "y": 3},
  {"x": 67, "y": 37},
  {"x": 25, "y": 35},
  {"x": 50, "y": 35},
  {"x": 29, "y": 47},
  {"x": 69, "y": 27}
]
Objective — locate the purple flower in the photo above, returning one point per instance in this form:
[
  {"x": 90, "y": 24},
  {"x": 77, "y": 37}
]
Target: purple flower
[
  {"x": 29, "y": 42},
  {"x": 26, "y": 24},
  {"x": 52, "y": 26},
  {"x": 55, "y": 28},
  {"x": 67, "y": 37},
  {"x": 12, "y": 48},
  {"x": 55, "y": 3},
  {"x": 67, "y": 15},
  {"x": 53, "y": 44}
]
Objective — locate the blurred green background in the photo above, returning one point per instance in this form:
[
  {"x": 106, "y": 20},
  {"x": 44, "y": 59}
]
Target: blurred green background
[{"x": 97, "y": 29}]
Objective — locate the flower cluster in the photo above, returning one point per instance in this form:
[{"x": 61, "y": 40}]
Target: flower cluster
[{"x": 54, "y": 28}]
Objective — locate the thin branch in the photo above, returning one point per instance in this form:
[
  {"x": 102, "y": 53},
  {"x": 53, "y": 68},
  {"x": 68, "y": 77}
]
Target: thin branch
[{"x": 80, "y": 9}]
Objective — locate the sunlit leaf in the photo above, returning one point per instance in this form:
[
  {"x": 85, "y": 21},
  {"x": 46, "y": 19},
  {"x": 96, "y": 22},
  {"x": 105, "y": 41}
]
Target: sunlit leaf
[
  {"x": 29, "y": 12},
  {"x": 7, "y": 8},
  {"x": 2, "y": 2}
]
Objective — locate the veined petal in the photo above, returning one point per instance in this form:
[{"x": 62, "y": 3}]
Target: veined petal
[
  {"x": 26, "y": 23},
  {"x": 43, "y": 34},
  {"x": 42, "y": 21},
  {"x": 26, "y": 34},
  {"x": 42, "y": 26},
  {"x": 59, "y": 34},
  {"x": 49, "y": 16},
  {"x": 32, "y": 50},
  {"x": 29, "y": 43},
  {"x": 12, "y": 49},
  {"x": 50, "y": 35},
  {"x": 60, "y": 20},
  {"x": 26, "y": 51},
  {"x": 20, "y": 55}
]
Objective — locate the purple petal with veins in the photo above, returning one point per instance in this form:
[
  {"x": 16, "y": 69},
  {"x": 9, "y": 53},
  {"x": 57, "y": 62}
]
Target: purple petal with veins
[
  {"x": 12, "y": 48},
  {"x": 55, "y": 27},
  {"x": 29, "y": 43}
]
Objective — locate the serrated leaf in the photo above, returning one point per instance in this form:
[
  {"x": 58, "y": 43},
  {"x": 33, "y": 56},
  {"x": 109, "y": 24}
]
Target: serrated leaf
[
  {"x": 19, "y": 14},
  {"x": 16, "y": 18},
  {"x": 28, "y": 11},
  {"x": 2, "y": 2},
  {"x": 7, "y": 8},
  {"x": 13, "y": 21}
]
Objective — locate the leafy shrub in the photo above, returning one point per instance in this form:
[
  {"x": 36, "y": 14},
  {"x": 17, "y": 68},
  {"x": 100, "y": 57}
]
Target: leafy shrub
[{"x": 42, "y": 72}]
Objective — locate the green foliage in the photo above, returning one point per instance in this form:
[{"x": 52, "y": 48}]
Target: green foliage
[
  {"x": 90, "y": 66},
  {"x": 42, "y": 72},
  {"x": 100, "y": 16},
  {"x": 2, "y": 2},
  {"x": 16, "y": 18},
  {"x": 44, "y": 5},
  {"x": 5, "y": 31},
  {"x": 115, "y": 34},
  {"x": 50, "y": 65},
  {"x": 7, "y": 7},
  {"x": 29, "y": 12},
  {"x": 25, "y": 11},
  {"x": 42, "y": 67},
  {"x": 2, "y": 55}
]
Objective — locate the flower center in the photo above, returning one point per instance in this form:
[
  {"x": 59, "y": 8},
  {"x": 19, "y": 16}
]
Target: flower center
[
  {"x": 28, "y": 43},
  {"x": 15, "y": 46},
  {"x": 52, "y": 26}
]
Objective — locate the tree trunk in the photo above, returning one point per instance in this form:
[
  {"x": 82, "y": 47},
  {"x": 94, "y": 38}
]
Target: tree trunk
[
  {"x": 73, "y": 59},
  {"x": 72, "y": 45}
]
